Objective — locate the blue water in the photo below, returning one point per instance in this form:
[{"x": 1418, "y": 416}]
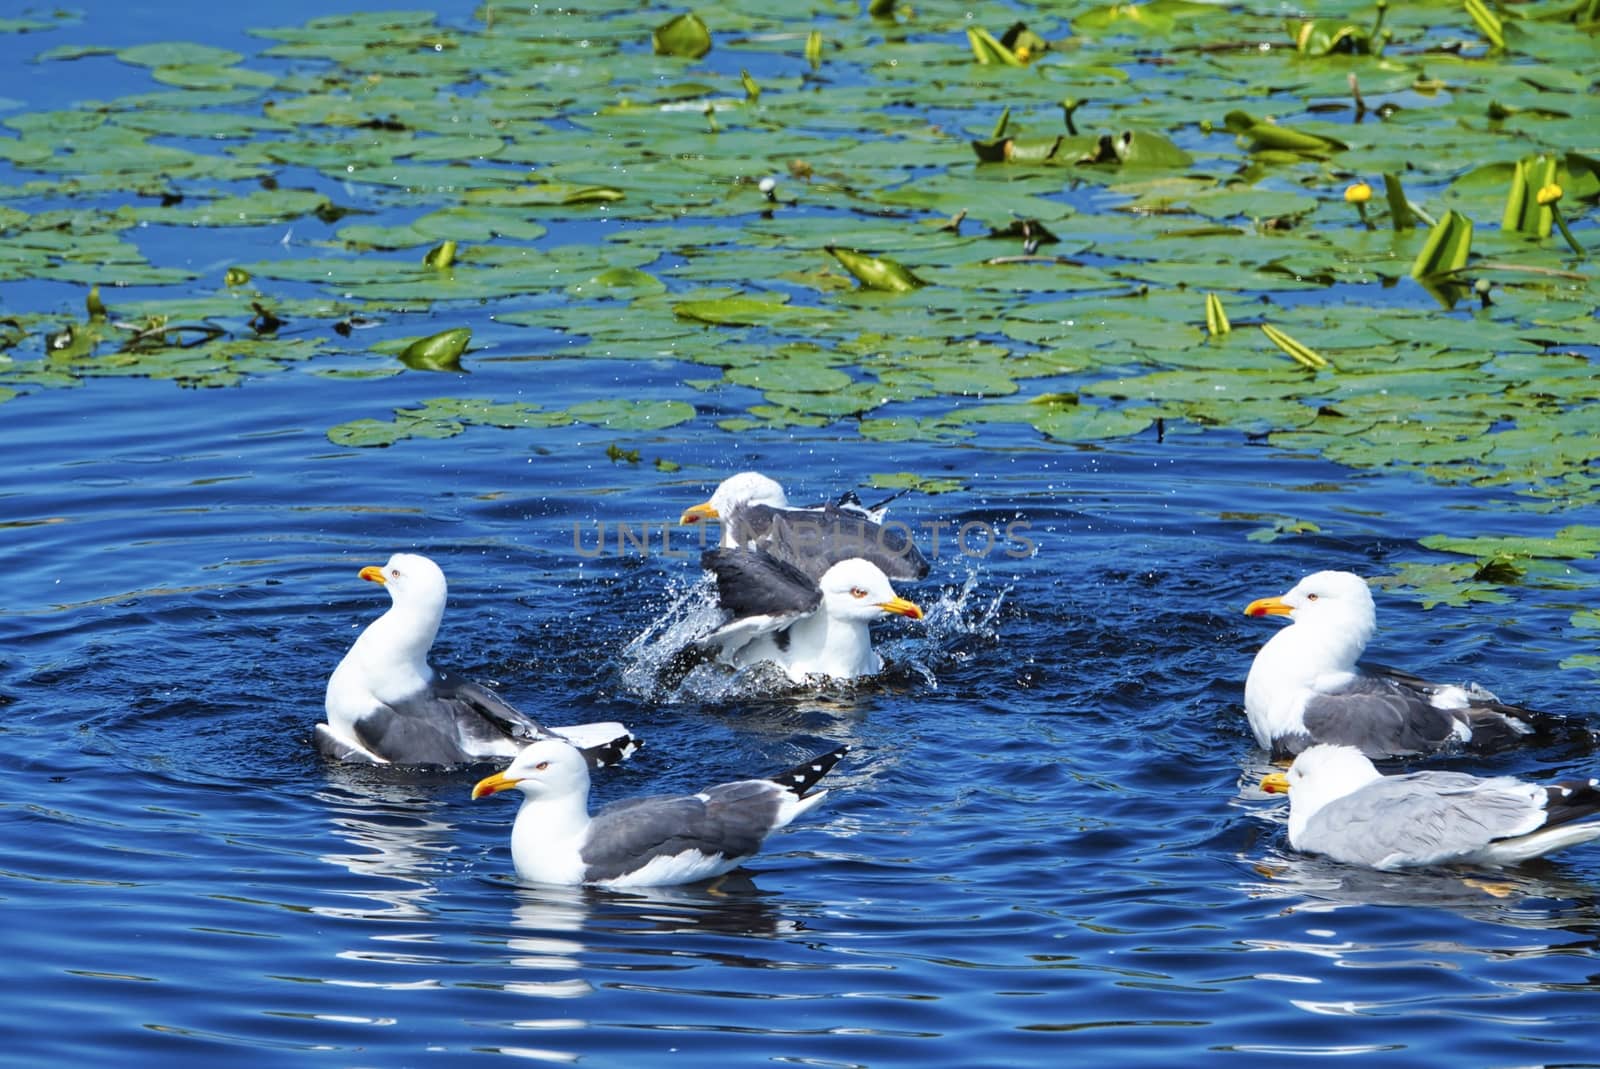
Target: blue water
[{"x": 1045, "y": 848}]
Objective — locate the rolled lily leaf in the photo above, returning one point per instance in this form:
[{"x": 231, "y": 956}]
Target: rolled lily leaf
[
  {"x": 437, "y": 352},
  {"x": 1524, "y": 214},
  {"x": 989, "y": 51},
  {"x": 1307, "y": 358},
  {"x": 1263, "y": 136},
  {"x": 1489, "y": 24},
  {"x": 96, "y": 307},
  {"x": 876, "y": 273},
  {"x": 1327, "y": 39},
  {"x": 684, "y": 36},
  {"x": 1216, "y": 319},
  {"x": 881, "y": 9},
  {"x": 752, "y": 91},
  {"x": 1447, "y": 247},
  {"x": 441, "y": 256},
  {"x": 236, "y": 276},
  {"x": 814, "y": 49},
  {"x": 1400, "y": 213},
  {"x": 1023, "y": 42},
  {"x": 1446, "y": 251}
]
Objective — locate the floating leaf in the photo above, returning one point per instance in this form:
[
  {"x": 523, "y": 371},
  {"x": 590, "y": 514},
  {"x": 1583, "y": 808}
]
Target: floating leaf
[
  {"x": 875, "y": 272},
  {"x": 628, "y": 415},
  {"x": 1268, "y": 136},
  {"x": 922, "y": 484},
  {"x": 1577, "y": 542},
  {"x": 747, "y": 311}
]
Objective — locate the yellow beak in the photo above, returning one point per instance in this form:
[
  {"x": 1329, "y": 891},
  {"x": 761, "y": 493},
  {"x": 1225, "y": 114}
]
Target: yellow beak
[
  {"x": 902, "y": 607},
  {"x": 1275, "y": 783},
  {"x": 1268, "y": 607},
  {"x": 492, "y": 784},
  {"x": 696, "y": 513},
  {"x": 372, "y": 574}
]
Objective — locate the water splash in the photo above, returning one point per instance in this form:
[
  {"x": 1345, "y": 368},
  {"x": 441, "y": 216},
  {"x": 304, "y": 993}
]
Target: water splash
[{"x": 664, "y": 663}]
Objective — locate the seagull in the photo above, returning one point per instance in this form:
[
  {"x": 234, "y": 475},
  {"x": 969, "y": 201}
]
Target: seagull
[
  {"x": 387, "y": 705},
  {"x": 755, "y": 513},
  {"x": 642, "y": 842},
  {"x": 1341, "y": 806},
  {"x": 1305, "y": 686},
  {"x": 775, "y": 612}
]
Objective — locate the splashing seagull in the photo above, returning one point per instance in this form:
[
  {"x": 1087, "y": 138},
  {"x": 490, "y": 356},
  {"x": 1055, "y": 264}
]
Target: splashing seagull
[
  {"x": 387, "y": 705},
  {"x": 1341, "y": 806},
  {"x": 1305, "y": 686},
  {"x": 642, "y": 842},
  {"x": 807, "y": 627},
  {"x": 755, "y": 513}
]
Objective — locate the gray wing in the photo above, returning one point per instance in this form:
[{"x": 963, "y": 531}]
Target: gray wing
[
  {"x": 1386, "y": 712},
  {"x": 1422, "y": 818},
  {"x": 814, "y": 540},
  {"x": 730, "y": 821},
  {"x": 450, "y": 722},
  {"x": 1379, "y": 715},
  {"x": 752, "y": 582}
]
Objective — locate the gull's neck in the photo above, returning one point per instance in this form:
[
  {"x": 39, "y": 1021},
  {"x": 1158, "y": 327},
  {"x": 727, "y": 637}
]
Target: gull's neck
[
  {"x": 825, "y": 644},
  {"x": 393, "y": 650},
  {"x": 1302, "y": 656},
  {"x": 548, "y": 835}
]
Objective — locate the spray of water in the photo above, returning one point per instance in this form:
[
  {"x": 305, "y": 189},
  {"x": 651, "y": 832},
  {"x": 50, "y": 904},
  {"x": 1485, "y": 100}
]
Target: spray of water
[{"x": 664, "y": 662}]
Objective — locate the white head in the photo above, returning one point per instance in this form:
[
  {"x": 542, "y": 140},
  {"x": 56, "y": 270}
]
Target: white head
[
  {"x": 736, "y": 492},
  {"x": 856, "y": 589},
  {"x": 415, "y": 584},
  {"x": 1321, "y": 774},
  {"x": 549, "y": 768},
  {"x": 1336, "y": 602}
]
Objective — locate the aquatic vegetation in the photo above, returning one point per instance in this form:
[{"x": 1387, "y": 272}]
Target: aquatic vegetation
[{"x": 898, "y": 225}]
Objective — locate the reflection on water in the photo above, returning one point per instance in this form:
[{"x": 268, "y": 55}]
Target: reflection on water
[{"x": 398, "y": 841}]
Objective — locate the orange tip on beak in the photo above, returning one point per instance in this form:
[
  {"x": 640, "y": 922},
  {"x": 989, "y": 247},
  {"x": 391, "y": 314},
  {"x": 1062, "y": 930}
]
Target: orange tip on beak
[
  {"x": 372, "y": 574},
  {"x": 1275, "y": 783},
  {"x": 902, "y": 607},
  {"x": 1268, "y": 607},
  {"x": 492, "y": 784},
  {"x": 696, "y": 513}
]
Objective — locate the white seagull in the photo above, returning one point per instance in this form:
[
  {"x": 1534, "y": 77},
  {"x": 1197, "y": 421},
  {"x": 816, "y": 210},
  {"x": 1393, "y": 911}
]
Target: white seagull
[
  {"x": 755, "y": 513},
  {"x": 642, "y": 842},
  {"x": 387, "y": 705},
  {"x": 1341, "y": 806},
  {"x": 1306, "y": 687},
  {"x": 777, "y": 613}
]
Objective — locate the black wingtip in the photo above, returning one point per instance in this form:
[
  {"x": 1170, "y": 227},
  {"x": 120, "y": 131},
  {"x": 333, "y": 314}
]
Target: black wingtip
[
  {"x": 802, "y": 777},
  {"x": 606, "y": 754}
]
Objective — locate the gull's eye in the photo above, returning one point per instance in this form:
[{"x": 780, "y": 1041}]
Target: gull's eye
[
  {"x": 1311, "y": 597},
  {"x": 857, "y": 592},
  {"x": 394, "y": 573},
  {"x": 541, "y": 766}
]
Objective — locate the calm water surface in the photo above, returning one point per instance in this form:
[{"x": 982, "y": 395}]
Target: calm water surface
[{"x": 1045, "y": 848}]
